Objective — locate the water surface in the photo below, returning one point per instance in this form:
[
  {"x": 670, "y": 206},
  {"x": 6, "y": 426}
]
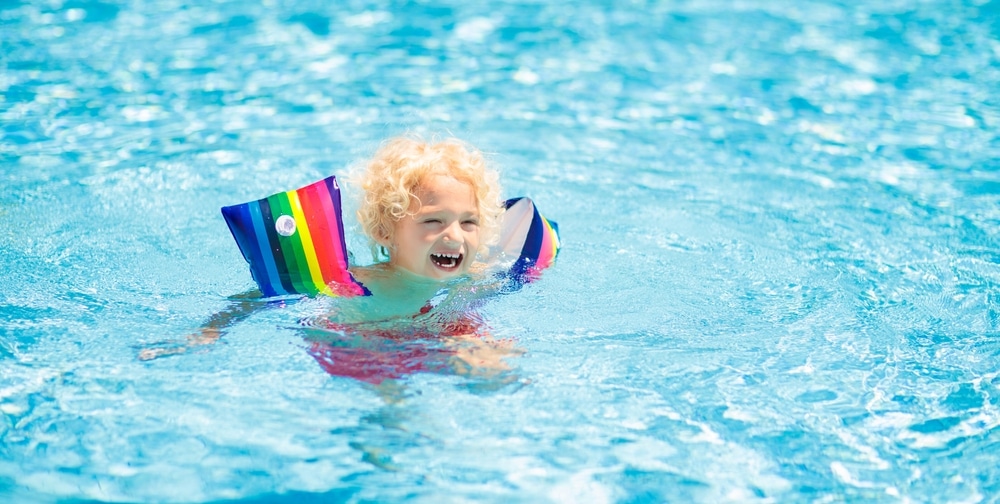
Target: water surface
[{"x": 779, "y": 278}]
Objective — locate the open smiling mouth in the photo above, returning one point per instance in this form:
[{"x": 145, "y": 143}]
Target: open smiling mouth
[{"x": 446, "y": 261}]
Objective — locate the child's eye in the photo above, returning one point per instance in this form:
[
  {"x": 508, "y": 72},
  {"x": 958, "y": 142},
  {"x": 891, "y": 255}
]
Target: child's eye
[
  {"x": 432, "y": 221},
  {"x": 473, "y": 222}
]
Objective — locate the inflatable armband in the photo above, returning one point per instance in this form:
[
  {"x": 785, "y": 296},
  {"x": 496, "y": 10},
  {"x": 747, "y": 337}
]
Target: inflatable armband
[
  {"x": 528, "y": 242},
  {"x": 294, "y": 242}
]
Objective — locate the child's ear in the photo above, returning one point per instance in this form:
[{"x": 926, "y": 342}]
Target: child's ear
[{"x": 382, "y": 238}]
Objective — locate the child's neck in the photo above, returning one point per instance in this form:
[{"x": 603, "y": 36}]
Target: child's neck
[{"x": 396, "y": 292}]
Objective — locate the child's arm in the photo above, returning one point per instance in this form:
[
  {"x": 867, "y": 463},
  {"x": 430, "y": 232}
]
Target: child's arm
[{"x": 241, "y": 306}]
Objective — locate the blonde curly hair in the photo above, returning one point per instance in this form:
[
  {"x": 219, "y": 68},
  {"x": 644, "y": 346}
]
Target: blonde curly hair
[{"x": 399, "y": 167}]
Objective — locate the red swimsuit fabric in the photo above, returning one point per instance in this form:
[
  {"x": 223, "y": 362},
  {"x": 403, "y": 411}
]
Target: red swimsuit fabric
[{"x": 385, "y": 354}]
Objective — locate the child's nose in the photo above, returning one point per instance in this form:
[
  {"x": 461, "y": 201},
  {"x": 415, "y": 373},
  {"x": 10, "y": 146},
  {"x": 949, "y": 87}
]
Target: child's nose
[{"x": 453, "y": 232}]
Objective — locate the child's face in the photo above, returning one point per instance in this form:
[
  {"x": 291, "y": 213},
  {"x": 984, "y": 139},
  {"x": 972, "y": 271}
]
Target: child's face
[{"x": 440, "y": 239}]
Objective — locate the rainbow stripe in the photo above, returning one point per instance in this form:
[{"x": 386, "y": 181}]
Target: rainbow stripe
[
  {"x": 541, "y": 241},
  {"x": 312, "y": 258}
]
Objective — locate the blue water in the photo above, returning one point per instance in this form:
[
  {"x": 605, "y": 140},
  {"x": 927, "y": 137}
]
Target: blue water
[{"x": 779, "y": 281}]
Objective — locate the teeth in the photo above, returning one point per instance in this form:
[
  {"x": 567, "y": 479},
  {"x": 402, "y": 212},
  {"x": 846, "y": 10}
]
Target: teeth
[{"x": 446, "y": 260}]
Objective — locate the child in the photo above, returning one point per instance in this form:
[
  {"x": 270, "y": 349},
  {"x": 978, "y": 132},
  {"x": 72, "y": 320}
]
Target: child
[{"x": 429, "y": 209}]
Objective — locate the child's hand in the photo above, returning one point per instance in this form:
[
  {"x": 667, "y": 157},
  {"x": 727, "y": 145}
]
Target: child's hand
[
  {"x": 204, "y": 336},
  {"x": 482, "y": 357},
  {"x": 154, "y": 353}
]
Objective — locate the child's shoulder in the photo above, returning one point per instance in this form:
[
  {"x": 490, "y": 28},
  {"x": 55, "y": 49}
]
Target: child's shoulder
[{"x": 370, "y": 272}]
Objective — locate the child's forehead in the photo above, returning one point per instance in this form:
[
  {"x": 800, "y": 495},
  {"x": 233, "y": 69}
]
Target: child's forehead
[
  {"x": 444, "y": 189},
  {"x": 442, "y": 182}
]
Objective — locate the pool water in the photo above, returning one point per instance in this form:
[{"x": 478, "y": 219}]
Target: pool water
[{"x": 779, "y": 279}]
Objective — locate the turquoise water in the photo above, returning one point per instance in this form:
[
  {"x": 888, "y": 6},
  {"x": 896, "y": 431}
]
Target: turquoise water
[{"x": 779, "y": 280}]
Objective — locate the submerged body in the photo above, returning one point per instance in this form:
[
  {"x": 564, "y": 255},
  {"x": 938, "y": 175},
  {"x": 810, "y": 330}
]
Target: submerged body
[{"x": 410, "y": 324}]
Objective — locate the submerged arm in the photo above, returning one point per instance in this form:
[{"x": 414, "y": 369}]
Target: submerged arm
[{"x": 240, "y": 307}]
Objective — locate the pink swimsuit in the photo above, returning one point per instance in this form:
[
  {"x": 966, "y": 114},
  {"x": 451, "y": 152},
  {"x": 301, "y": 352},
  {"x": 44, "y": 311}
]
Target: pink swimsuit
[{"x": 391, "y": 354}]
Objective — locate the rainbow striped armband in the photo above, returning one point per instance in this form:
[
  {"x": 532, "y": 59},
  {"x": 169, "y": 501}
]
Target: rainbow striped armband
[
  {"x": 529, "y": 243},
  {"x": 294, "y": 241}
]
